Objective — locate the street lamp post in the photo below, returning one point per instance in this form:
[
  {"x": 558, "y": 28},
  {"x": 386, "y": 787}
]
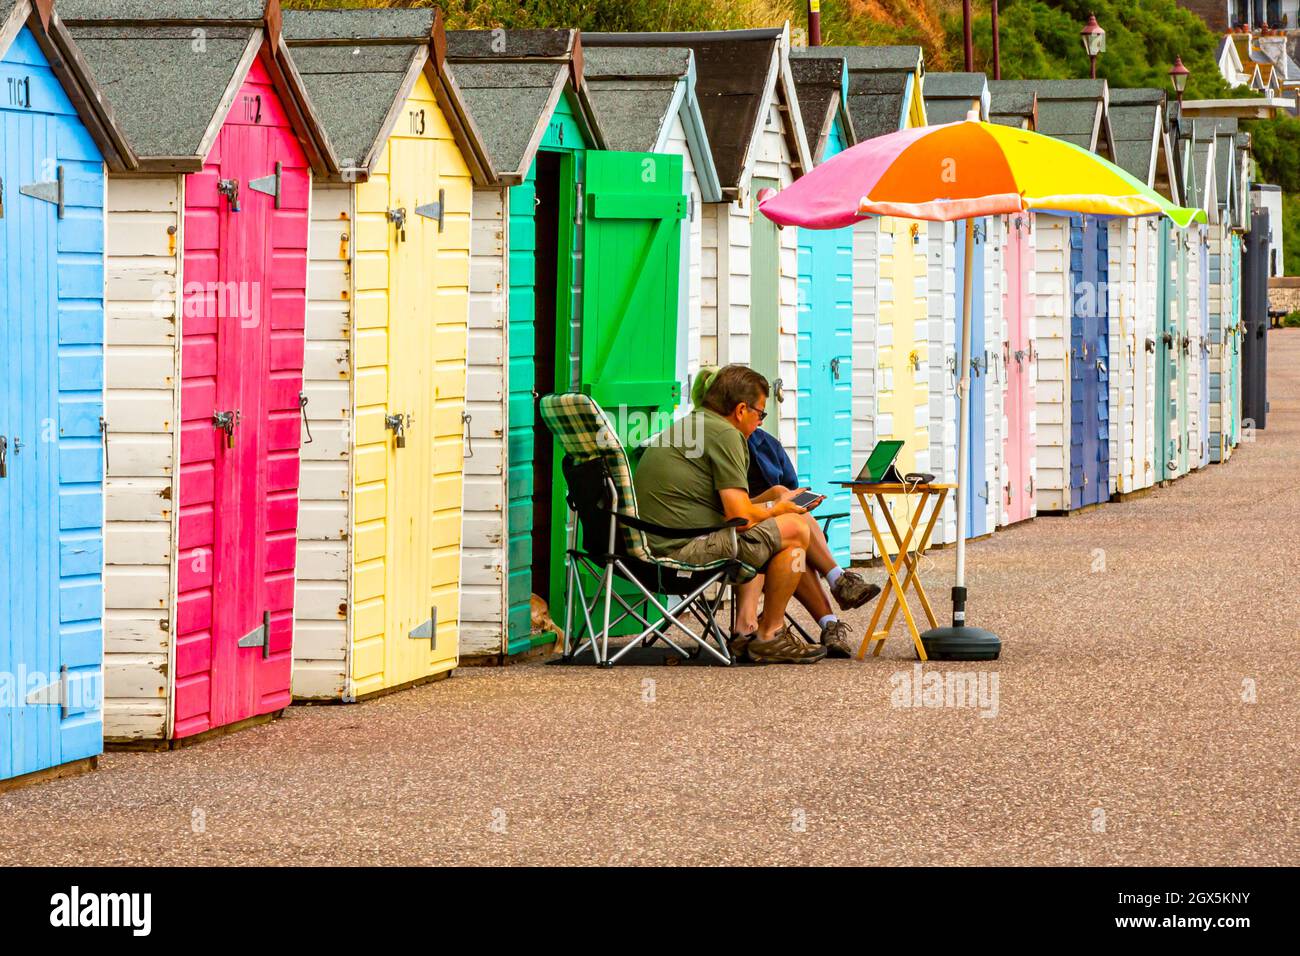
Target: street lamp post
[
  {"x": 1178, "y": 75},
  {"x": 997, "y": 46},
  {"x": 814, "y": 23},
  {"x": 1094, "y": 41}
]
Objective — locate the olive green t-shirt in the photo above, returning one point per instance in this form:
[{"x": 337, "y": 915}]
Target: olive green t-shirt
[{"x": 682, "y": 471}]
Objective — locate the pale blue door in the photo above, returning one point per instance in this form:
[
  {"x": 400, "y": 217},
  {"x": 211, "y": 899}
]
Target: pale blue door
[
  {"x": 825, "y": 445},
  {"x": 51, "y": 406},
  {"x": 975, "y": 481}
]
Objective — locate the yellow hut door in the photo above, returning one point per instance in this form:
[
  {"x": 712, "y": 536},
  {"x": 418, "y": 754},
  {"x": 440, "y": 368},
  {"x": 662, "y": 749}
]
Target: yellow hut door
[{"x": 416, "y": 644}]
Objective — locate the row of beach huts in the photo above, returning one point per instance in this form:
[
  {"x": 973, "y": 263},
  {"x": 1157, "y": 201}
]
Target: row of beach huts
[{"x": 280, "y": 291}]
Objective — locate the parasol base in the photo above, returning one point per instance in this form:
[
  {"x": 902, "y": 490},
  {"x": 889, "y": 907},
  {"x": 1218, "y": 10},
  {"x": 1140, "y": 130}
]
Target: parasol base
[{"x": 961, "y": 644}]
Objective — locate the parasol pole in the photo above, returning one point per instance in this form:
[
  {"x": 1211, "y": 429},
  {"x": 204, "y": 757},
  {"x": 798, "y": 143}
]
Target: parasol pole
[{"x": 960, "y": 642}]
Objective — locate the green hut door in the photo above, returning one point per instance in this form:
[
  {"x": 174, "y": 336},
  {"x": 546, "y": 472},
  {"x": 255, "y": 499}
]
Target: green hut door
[
  {"x": 632, "y": 235},
  {"x": 765, "y": 303}
]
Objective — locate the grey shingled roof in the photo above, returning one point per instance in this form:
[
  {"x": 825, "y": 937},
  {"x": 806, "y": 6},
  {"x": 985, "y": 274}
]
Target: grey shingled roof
[
  {"x": 390, "y": 23},
  {"x": 876, "y": 59},
  {"x": 632, "y": 89},
  {"x": 876, "y": 102},
  {"x": 1012, "y": 105},
  {"x": 1225, "y": 157},
  {"x": 1134, "y": 116},
  {"x": 163, "y": 92},
  {"x": 819, "y": 81},
  {"x": 878, "y": 81},
  {"x": 949, "y": 96},
  {"x": 353, "y": 85},
  {"x": 506, "y": 80},
  {"x": 179, "y": 10},
  {"x": 731, "y": 75},
  {"x": 1067, "y": 109}
]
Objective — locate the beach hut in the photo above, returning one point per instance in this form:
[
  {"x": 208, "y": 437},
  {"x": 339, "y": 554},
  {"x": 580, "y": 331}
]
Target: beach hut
[
  {"x": 949, "y": 97},
  {"x": 1071, "y": 333},
  {"x": 1223, "y": 229},
  {"x": 1017, "y": 108},
  {"x": 826, "y": 304},
  {"x": 53, "y": 144},
  {"x": 1142, "y": 149},
  {"x": 891, "y": 378},
  {"x": 529, "y": 289},
  {"x": 1200, "y": 193},
  {"x": 750, "y": 285},
  {"x": 206, "y": 293},
  {"x": 1255, "y": 258},
  {"x": 378, "y": 585},
  {"x": 646, "y": 102}
]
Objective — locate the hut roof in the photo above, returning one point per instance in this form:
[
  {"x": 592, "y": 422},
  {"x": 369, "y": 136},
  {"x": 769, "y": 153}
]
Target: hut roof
[
  {"x": 511, "y": 82},
  {"x": 639, "y": 91},
  {"x": 737, "y": 73},
  {"x": 822, "y": 82},
  {"x": 1136, "y": 129},
  {"x": 360, "y": 66},
  {"x": 948, "y": 96},
  {"x": 168, "y": 70}
]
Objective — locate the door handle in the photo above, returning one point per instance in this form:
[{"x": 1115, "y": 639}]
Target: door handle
[
  {"x": 4, "y": 457},
  {"x": 306, "y": 423},
  {"x": 835, "y": 368},
  {"x": 778, "y": 390},
  {"x": 1101, "y": 367}
]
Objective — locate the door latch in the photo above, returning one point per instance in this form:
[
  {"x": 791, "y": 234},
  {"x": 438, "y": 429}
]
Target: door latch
[
  {"x": 398, "y": 218},
  {"x": 398, "y": 424},
  {"x": 230, "y": 189},
  {"x": 226, "y": 422},
  {"x": 466, "y": 418},
  {"x": 4, "y": 457},
  {"x": 835, "y": 368},
  {"x": 306, "y": 423},
  {"x": 778, "y": 390},
  {"x": 1020, "y": 358}
]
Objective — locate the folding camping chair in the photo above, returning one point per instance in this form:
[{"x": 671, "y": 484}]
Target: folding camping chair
[{"x": 614, "y": 548}]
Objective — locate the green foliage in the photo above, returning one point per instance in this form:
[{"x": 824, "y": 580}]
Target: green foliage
[
  {"x": 1040, "y": 40},
  {"x": 1291, "y": 320},
  {"x": 1290, "y": 234},
  {"x": 1276, "y": 145}
]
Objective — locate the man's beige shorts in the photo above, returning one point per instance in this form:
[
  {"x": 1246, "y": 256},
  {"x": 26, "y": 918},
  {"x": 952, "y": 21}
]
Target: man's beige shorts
[{"x": 756, "y": 546}]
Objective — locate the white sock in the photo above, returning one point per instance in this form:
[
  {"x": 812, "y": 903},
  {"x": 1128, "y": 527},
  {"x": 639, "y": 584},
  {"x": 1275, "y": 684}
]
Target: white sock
[
  {"x": 834, "y": 574},
  {"x": 828, "y": 619}
]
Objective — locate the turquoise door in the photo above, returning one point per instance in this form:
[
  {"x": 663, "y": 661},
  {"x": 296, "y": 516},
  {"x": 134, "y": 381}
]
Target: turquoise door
[
  {"x": 825, "y": 447},
  {"x": 1202, "y": 454},
  {"x": 976, "y": 481},
  {"x": 51, "y": 403}
]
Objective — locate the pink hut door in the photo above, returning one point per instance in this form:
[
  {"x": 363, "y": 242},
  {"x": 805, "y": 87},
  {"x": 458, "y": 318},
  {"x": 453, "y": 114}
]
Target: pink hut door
[
  {"x": 245, "y": 274},
  {"x": 1018, "y": 399}
]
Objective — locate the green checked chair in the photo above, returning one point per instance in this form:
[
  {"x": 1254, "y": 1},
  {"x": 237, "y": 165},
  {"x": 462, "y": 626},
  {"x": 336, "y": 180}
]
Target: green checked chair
[{"x": 601, "y": 495}]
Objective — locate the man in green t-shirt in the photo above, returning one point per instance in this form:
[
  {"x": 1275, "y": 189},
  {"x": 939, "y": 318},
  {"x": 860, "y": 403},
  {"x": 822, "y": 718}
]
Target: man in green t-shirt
[{"x": 695, "y": 474}]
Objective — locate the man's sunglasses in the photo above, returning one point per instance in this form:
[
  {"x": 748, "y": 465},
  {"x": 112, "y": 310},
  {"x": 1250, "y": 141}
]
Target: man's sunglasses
[{"x": 762, "y": 412}]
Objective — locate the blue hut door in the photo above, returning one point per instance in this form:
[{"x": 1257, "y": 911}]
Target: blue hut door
[
  {"x": 1089, "y": 365},
  {"x": 51, "y": 386},
  {"x": 825, "y": 372},
  {"x": 976, "y": 481}
]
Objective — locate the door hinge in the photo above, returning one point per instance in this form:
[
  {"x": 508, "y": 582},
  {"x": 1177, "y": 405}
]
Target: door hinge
[
  {"x": 579, "y": 198},
  {"x": 269, "y": 185},
  {"x": 428, "y": 631},
  {"x": 259, "y": 636},
  {"x": 434, "y": 210},
  {"x": 55, "y": 692},
  {"x": 50, "y": 192}
]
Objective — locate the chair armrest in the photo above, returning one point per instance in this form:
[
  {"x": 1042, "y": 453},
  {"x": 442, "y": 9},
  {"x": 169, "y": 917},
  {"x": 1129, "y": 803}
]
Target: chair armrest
[
  {"x": 827, "y": 519},
  {"x": 667, "y": 532}
]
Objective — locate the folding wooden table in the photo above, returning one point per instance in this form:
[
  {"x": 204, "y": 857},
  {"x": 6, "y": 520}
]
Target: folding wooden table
[{"x": 931, "y": 494}]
